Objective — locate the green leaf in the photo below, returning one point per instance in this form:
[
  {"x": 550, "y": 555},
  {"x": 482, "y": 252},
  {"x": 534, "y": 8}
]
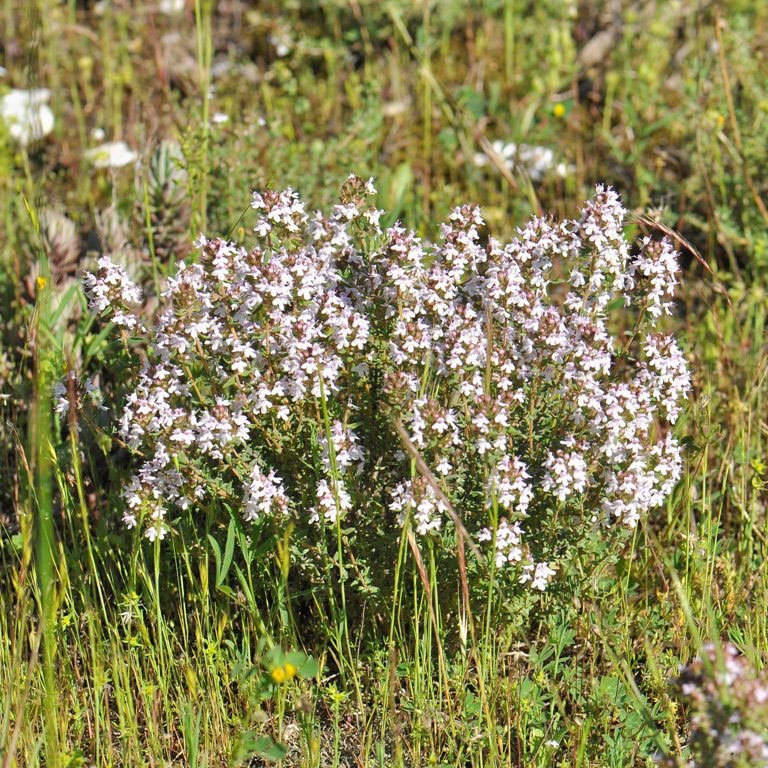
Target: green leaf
[
  {"x": 229, "y": 550},
  {"x": 400, "y": 182},
  {"x": 64, "y": 302},
  {"x": 269, "y": 749},
  {"x": 306, "y": 666},
  {"x": 252, "y": 745},
  {"x": 614, "y": 304},
  {"x": 216, "y": 553},
  {"x": 245, "y": 585},
  {"x": 97, "y": 341},
  {"x": 472, "y": 100}
]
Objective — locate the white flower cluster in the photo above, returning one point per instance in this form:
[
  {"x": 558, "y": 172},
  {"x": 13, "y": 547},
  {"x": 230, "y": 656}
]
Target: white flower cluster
[
  {"x": 264, "y": 496},
  {"x": 26, "y": 114},
  {"x": 498, "y": 359},
  {"x": 536, "y": 161},
  {"x": 333, "y": 502},
  {"x": 111, "y": 289},
  {"x": 346, "y": 450},
  {"x": 509, "y": 538},
  {"x": 418, "y": 498},
  {"x": 72, "y": 390}
]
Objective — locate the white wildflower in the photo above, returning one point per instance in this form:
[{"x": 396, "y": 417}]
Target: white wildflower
[
  {"x": 26, "y": 114},
  {"x": 113, "y": 154},
  {"x": 265, "y": 495},
  {"x": 171, "y": 7}
]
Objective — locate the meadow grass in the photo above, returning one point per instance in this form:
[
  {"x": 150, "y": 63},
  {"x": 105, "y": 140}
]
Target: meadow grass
[{"x": 219, "y": 648}]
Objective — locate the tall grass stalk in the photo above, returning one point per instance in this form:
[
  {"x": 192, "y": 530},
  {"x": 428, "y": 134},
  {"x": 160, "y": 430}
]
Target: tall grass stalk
[
  {"x": 426, "y": 105},
  {"x": 204, "y": 40},
  {"x": 340, "y": 619},
  {"x": 41, "y": 500},
  {"x": 509, "y": 41}
]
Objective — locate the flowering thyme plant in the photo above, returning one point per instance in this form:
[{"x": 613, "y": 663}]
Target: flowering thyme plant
[
  {"x": 274, "y": 377},
  {"x": 728, "y": 704}
]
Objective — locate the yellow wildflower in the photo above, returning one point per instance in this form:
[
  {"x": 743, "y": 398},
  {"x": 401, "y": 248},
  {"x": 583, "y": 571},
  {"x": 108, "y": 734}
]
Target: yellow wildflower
[{"x": 283, "y": 673}]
